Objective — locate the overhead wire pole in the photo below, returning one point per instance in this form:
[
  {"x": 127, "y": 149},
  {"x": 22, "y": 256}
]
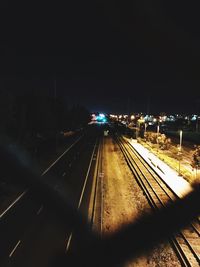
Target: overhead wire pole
[
  {"x": 158, "y": 130},
  {"x": 197, "y": 122},
  {"x": 148, "y": 105},
  {"x": 180, "y": 150},
  {"x": 55, "y": 98},
  {"x": 145, "y": 127}
]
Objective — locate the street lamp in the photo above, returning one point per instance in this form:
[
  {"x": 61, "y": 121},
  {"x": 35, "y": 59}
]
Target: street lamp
[
  {"x": 181, "y": 137},
  {"x": 180, "y": 149},
  {"x": 145, "y": 127},
  {"x": 55, "y": 111},
  {"x": 158, "y": 129},
  {"x": 136, "y": 131},
  {"x": 132, "y": 117}
]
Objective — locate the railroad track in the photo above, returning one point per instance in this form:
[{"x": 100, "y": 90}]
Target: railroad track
[
  {"x": 96, "y": 200},
  {"x": 186, "y": 242},
  {"x": 19, "y": 206}
]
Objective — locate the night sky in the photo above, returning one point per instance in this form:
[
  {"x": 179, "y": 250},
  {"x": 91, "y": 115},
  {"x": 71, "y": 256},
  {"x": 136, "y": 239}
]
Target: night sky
[{"x": 111, "y": 56}]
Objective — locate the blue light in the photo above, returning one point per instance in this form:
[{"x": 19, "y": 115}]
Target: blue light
[
  {"x": 101, "y": 118},
  {"x": 101, "y": 115}
]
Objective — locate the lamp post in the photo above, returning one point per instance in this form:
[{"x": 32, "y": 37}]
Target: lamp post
[
  {"x": 137, "y": 131},
  {"x": 158, "y": 129},
  {"x": 180, "y": 149},
  {"x": 145, "y": 128},
  {"x": 181, "y": 136},
  {"x": 55, "y": 111}
]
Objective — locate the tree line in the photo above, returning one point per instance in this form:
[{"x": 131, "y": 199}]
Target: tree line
[
  {"x": 30, "y": 116},
  {"x": 165, "y": 143}
]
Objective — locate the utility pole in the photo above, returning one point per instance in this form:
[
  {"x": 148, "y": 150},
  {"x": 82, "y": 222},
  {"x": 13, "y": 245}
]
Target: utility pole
[
  {"x": 148, "y": 105},
  {"x": 197, "y": 108},
  {"x": 180, "y": 150},
  {"x": 197, "y": 125},
  {"x": 157, "y": 134},
  {"x": 55, "y": 110},
  {"x": 55, "y": 89},
  {"x": 145, "y": 127}
]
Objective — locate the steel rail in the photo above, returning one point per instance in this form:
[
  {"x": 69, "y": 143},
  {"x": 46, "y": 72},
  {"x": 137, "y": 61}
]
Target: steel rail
[
  {"x": 139, "y": 173},
  {"x": 158, "y": 179},
  {"x": 96, "y": 192},
  {"x": 82, "y": 193},
  {"x": 26, "y": 190},
  {"x": 180, "y": 253}
]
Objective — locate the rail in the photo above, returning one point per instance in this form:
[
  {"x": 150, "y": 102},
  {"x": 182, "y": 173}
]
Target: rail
[
  {"x": 159, "y": 194},
  {"x": 130, "y": 241}
]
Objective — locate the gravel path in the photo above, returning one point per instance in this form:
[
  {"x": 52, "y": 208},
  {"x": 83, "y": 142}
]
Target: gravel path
[{"x": 125, "y": 202}]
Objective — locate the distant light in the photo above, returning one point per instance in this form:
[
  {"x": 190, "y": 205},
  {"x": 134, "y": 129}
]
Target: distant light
[
  {"x": 141, "y": 120},
  {"x": 101, "y": 115},
  {"x": 101, "y": 118},
  {"x": 93, "y": 117},
  {"x": 194, "y": 118},
  {"x": 132, "y": 117}
]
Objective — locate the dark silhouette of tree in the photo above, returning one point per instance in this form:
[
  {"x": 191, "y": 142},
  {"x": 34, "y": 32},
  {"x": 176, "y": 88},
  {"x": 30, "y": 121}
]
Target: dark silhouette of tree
[
  {"x": 79, "y": 116},
  {"x": 196, "y": 157},
  {"x": 34, "y": 119},
  {"x": 7, "y": 116}
]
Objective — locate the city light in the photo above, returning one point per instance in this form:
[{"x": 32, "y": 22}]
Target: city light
[
  {"x": 101, "y": 118},
  {"x": 132, "y": 117}
]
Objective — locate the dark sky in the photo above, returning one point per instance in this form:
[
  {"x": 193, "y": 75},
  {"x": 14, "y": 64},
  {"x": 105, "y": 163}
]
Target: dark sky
[{"x": 116, "y": 56}]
